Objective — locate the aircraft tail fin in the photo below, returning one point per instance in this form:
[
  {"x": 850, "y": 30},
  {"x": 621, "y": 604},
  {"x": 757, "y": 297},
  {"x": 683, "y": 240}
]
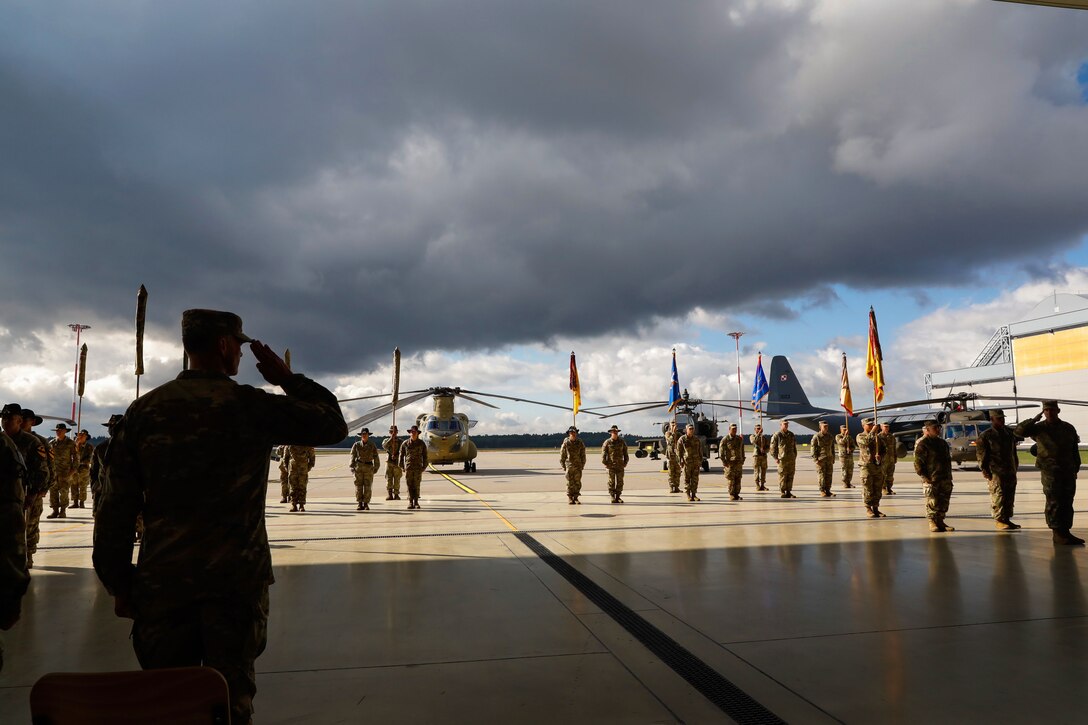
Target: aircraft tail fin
[{"x": 787, "y": 397}]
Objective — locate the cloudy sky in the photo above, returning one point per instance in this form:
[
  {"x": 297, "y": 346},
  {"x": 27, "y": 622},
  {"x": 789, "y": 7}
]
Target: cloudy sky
[{"x": 490, "y": 185}]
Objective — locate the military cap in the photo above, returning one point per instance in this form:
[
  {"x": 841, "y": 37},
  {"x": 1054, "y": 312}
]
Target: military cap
[
  {"x": 997, "y": 413},
  {"x": 11, "y": 409},
  {"x": 392, "y": 429},
  {"x": 1052, "y": 404},
  {"x": 931, "y": 423},
  {"x": 867, "y": 421},
  {"x": 414, "y": 428},
  {"x": 614, "y": 429},
  {"x": 732, "y": 425},
  {"x": 83, "y": 431},
  {"x": 29, "y": 414},
  {"x": 114, "y": 420},
  {"x": 62, "y": 426},
  {"x": 365, "y": 430},
  {"x": 212, "y": 323},
  {"x": 572, "y": 429}
]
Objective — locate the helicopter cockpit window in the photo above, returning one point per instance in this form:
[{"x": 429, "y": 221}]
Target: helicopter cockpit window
[
  {"x": 455, "y": 425},
  {"x": 953, "y": 431},
  {"x": 433, "y": 425}
]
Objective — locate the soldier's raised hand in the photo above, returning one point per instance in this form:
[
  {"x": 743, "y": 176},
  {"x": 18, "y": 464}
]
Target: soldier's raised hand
[{"x": 269, "y": 364}]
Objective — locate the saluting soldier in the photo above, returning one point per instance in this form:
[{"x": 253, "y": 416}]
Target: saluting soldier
[
  {"x": 301, "y": 460},
  {"x": 888, "y": 458},
  {"x": 64, "y": 468},
  {"x": 572, "y": 458},
  {"x": 761, "y": 446},
  {"x": 844, "y": 447},
  {"x": 1058, "y": 461},
  {"x": 413, "y": 459},
  {"x": 689, "y": 449},
  {"x": 823, "y": 452},
  {"x": 673, "y": 460},
  {"x": 933, "y": 464},
  {"x": 365, "y": 462},
  {"x": 392, "y": 467},
  {"x": 997, "y": 459},
  {"x": 614, "y": 457},
  {"x": 870, "y": 450},
  {"x": 731, "y": 452},
  {"x": 82, "y": 478},
  {"x": 784, "y": 452}
]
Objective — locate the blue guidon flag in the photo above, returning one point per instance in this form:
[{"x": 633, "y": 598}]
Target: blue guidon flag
[
  {"x": 760, "y": 388},
  {"x": 674, "y": 391}
]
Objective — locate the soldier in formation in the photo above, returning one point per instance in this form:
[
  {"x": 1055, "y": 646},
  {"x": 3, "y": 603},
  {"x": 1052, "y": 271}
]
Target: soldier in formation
[
  {"x": 36, "y": 476},
  {"x": 81, "y": 480},
  {"x": 784, "y": 452},
  {"x": 614, "y": 457},
  {"x": 731, "y": 452},
  {"x": 365, "y": 462},
  {"x": 761, "y": 445},
  {"x": 823, "y": 452},
  {"x": 844, "y": 447},
  {"x": 870, "y": 451},
  {"x": 64, "y": 468},
  {"x": 98, "y": 474},
  {"x": 933, "y": 464},
  {"x": 285, "y": 480},
  {"x": 300, "y": 461},
  {"x": 689, "y": 449},
  {"x": 1058, "y": 461},
  {"x": 39, "y": 485},
  {"x": 14, "y": 573},
  {"x": 672, "y": 460},
  {"x": 412, "y": 460},
  {"x": 997, "y": 459},
  {"x": 393, "y": 472},
  {"x": 889, "y": 457},
  {"x": 572, "y": 459}
]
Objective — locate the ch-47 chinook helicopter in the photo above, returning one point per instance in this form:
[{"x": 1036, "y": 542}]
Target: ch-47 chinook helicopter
[{"x": 444, "y": 430}]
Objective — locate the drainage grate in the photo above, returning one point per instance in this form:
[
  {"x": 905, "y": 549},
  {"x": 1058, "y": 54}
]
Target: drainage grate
[{"x": 733, "y": 701}]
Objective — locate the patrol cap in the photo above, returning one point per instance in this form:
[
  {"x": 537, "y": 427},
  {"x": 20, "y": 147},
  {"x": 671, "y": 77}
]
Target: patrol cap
[
  {"x": 614, "y": 429},
  {"x": 62, "y": 426},
  {"x": 365, "y": 430},
  {"x": 392, "y": 429},
  {"x": 114, "y": 420},
  {"x": 84, "y": 432},
  {"x": 1052, "y": 404},
  {"x": 867, "y": 421},
  {"x": 11, "y": 409},
  {"x": 997, "y": 413},
  {"x": 732, "y": 426},
  {"x": 572, "y": 429},
  {"x": 203, "y": 324},
  {"x": 931, "y": 423},
  {"x": 29, "y": 414}
]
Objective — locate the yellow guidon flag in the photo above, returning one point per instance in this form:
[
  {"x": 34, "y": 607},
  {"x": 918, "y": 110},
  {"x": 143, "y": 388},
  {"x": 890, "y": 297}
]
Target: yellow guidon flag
[
  {"x": 874, "y": 361},
  {"x": 575, "y": 387},
  {"x": 845, "y": 400}
]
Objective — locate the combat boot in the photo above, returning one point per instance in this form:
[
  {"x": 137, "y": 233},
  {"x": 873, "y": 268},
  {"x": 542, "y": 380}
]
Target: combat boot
[
  {"x": 1065, "y": 538},
  {"x": 54, "y": 514},
  {"x": 366, "y": 507},
  {"x": 29, "y": 560},
  {"x": 618, "y": 499},
  {"x": 577, "y": 501},
  {"x": 360, "y": 507},
  {"x": 283, "y": 500},
  {"x": 936, "y": 526},
  {"x": 1002, "y": 525},
  {"x": 389, "y": 497},
  {"x": 294, "y": 508},
  {"x": 734, "y": 497},
  {"x": 301, "y": 507},
  {"x": 63, "y": 514},
  {"x": 848, "y": 485},
  {"x": 396, "y": 497},
  {"x": 1012, "y": 526},
  {"x": 871, "y": 512}
]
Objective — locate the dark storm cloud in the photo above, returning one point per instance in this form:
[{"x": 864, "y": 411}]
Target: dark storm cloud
[{"x": 352, "y": 177}]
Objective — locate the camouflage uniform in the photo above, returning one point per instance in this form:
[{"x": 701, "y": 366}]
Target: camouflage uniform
[
  {"x": 36, "y": 483},
  {"x": 1058, "y": 462},
  {"x": 997, "y": 459},
  {"x": 614, "y": 457},
  {"x": 761, "y": 445},
  {"x": 784, "y": 452},
  {"x": 392, "y": 468},
  {"x": 673, "y": 460},
  {"x": 14, "y": 576},
  {"x": 888, "y": 459},
  {"x": 193, "y": 456},
  {"x": 64, "y": 468},
  {"x": 285, "y": 480},
  {"x": 300, "y": 461},
  {"x": 933, "y": 464},
  {"x": 870, "y": 449},
  {"x": 365, "y": 462},
  {"x": 844, "y": 448},
  {"x": 689, "y": 450},
  {"x": 82, "y": 478},
  {"x": 413, "y": 460},
  {"x": 731, "y": 452},
  {"x": 822, "y": 448},
  {"x": 37, "y": 505},
  {"x": 572, "y": 457},
  {"x": 98, "y": 473}
]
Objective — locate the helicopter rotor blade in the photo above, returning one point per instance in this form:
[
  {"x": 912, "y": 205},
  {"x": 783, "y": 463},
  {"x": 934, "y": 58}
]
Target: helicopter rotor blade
[
  {"x": 364, "y": 397},
  {"x": 474, "y": 400},
  {"x": 635, "y": 410},
  {"x": 622, "y": 405},
  {"x": 383, "y": 410},
  {"x": 522, "y": 400}
]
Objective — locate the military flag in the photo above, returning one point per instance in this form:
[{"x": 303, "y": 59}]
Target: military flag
[
  {"x": 874, "y": 361},
  {"x": 575, "y": 386},
  {"x": 844, "y": 393},
  {"x": 674, "y": 390},
  {"x": 760, "y": 388}
]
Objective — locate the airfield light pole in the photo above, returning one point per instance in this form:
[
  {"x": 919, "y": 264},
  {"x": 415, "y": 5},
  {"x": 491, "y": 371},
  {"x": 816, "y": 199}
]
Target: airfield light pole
[
  {"x": 76, "y": 328},
  {"x": 740, "y": 408}
]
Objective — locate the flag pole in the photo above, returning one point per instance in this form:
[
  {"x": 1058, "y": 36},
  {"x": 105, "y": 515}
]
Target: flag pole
[{"x": 740, "y": 408}]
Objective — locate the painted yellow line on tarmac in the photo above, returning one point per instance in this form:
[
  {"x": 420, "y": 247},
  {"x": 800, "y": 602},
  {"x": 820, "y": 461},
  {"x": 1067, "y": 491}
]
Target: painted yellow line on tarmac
[{"x": 466, "y": 489}]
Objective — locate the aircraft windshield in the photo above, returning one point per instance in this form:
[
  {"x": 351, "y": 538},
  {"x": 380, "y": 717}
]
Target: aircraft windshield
[{"x": 444, "y": 426}]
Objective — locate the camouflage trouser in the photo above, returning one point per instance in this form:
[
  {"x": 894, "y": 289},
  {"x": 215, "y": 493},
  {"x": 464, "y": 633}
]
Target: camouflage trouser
[
  {"x": 615, "y": 481},
  {"x": 364, "y": 482},
  {"x": 298, "y": 481},
  {"x": 226, "y": 634},
  {"x": 691, "y": 478},
  {"x": 412, "y": 479},
  {"x": 785, "y": 474},
  {"x": 674, "y": 473},
  {"x": 733, "y": 473},
  {"x": 759, "y": 467},
  {"x": 937, "y": 493},
  {"x": 574, "y": 481},
  {"x": 285, "y": 484},
  {"x": 888, "y": 471},
  {"x": 1002, "y": 495},
  {"x": 1059, "y": 487},
  {"x": 392, "y": 478},
  {"x": 81, "y": 479},
  {"x": 825, "y": 474},
  {"x": 58, "y": 492},
  {"x": 33, "y": 519},
  {"x": 847, "y": 470},
  {"x": 872, "y": 485}
]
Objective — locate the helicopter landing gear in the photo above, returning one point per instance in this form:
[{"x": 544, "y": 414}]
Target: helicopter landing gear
[{"x": 470, "y": 467}]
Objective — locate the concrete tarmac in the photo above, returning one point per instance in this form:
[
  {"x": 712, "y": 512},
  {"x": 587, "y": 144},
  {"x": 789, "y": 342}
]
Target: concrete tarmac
[{"x": 804, "y": 608}]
